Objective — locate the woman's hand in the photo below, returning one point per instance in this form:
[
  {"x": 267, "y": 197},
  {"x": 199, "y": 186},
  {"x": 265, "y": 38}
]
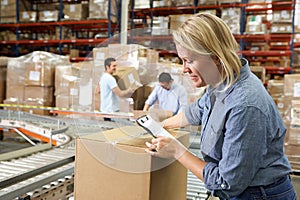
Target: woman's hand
[{"x": 165, "y": 147}]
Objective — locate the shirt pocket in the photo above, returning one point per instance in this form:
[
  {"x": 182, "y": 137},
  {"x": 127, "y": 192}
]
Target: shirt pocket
[{"x": 213, "y": 137}]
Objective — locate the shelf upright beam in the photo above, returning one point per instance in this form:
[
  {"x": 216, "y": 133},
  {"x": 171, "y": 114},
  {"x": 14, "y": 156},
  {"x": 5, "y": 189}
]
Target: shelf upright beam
[
  {"x": 124, "y": 21},
  {"x": 242, "y": 24},
  {"x": 109, "y": 21},
  {"x": 151, "y": 23},
  {"x": 195, "y": 5},
  {"x": 60, "y": 26},
  {"x": 17, "y": 28},
  {"x": 293, "y": 34},
  {"x": 132, "y": 22}
]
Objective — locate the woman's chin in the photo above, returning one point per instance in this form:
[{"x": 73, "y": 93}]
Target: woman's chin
[{"x": 199, "y": 84}]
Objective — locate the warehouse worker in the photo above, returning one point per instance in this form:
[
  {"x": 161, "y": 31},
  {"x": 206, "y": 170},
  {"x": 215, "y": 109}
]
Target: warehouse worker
[
  {"x": 170, "y": 96},
  {"x": 109, "y": 90},
  {"x": 242, "y": 136}
]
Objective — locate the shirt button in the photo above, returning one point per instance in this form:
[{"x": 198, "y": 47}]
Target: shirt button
[{"x": 223, "y": 186}]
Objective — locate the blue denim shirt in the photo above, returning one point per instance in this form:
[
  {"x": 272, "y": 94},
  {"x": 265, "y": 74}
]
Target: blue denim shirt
[{"x": 242, "y": 136}]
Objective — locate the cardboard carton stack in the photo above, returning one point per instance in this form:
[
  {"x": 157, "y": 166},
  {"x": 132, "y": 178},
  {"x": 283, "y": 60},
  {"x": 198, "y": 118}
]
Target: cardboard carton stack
[
  {"x": 297, "y": 17},
  {"x": 118, "y": 155},
  {"x": 229, "y": 16},
  {"x": 76, "y": 11},
  {"x": 98, "y": 9},
  {"x": 276, "y": 90},
  {"x": 292, "y": 116},
  {"x": 177, "y": 20},
  {"x": 282, "y": 21},
  {"x": 8, "y": 10},
  {"x": 30, "y": 80},
  {"x": 139, "y": 4},
  {"x": 66, "y": 86},
  {"x": 28, "y": 16},
  {"x": 207, "y": 2},
  {"x": 75, "y": 86},
  {"x": 255, "y": 25}
]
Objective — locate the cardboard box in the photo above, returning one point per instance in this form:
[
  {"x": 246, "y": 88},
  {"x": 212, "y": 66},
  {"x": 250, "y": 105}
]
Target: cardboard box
[
  {"x": 48, "y": 15},
  {"x": 260, "y": 72},
  {"x": 28, "y": 16},
  {"x": 275, "y": 87},
  {"x": 114, "y": 165},
  {"x": 177, "y": 20},
  {"x": 292, "y": 85},
  {"x": 15, "y": 92},
  {"x": 39, "y": 74},
  {"x": 127, "y": 77},
  {"x": 62, "y": 101},
  {"x": 76, "y": 11},
  {"x": 39, "y": 94}
]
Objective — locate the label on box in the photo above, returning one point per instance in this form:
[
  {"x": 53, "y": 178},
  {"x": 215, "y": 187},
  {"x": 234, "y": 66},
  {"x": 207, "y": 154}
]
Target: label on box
[
  {"x": 131, "y": 78},
  {"x": 297, "y": 89},
  {"x": 25, "y": 15},
  {"x": 86, "y": 93},
  {"x": 4, "y": 3},
  {"x": 99, "y": 56},
  {"x": 72, "y": 8},
  {"x": 74, "y": 92},
  {"x": 34, "y": 76}
]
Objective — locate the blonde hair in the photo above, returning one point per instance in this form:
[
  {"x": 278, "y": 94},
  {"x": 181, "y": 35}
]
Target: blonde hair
[{"x": 207, "y": 34}]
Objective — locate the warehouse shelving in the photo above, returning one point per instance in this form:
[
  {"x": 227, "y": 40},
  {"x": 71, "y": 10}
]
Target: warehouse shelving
[
  {"x": 272, "y": 54},
  {"x": 82, "y": 33}
]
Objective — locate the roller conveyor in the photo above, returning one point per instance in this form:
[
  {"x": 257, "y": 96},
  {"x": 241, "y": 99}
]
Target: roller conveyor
[
  {"x": 26, "y": 167},
  {"x": 38, "y": 174}
]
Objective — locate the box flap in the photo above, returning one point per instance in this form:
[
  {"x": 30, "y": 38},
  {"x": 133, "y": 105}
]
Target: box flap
[{"x": 127, "y": 135}]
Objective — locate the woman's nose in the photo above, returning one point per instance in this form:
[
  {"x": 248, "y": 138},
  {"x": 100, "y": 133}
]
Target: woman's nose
[{"x": 185, "y": 67}]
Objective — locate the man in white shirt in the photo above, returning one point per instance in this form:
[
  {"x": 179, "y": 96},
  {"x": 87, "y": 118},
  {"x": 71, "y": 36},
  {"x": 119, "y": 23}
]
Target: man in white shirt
[{"x": 109, "y": 90}]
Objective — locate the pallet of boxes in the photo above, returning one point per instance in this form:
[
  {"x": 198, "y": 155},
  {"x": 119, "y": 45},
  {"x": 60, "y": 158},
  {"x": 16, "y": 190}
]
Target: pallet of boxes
[{"x": 30, "y": 82}]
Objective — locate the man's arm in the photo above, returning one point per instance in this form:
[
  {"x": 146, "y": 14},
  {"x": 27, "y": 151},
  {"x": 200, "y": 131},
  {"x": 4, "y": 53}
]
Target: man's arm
[
  {"x": 98, "y": 88},
  {"x": 146, "y": 107},
  {"x": 123, "y": 93}
]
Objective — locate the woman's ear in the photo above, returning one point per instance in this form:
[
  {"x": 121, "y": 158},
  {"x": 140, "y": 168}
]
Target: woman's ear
[{"x": 216, "y": 60}]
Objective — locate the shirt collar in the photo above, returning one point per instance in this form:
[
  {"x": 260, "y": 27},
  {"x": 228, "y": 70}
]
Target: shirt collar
[{"x": 219, "y": 91}]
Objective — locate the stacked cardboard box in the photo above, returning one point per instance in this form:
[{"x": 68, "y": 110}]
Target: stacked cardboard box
[
  {"x": 229, "y": 1},
  {"x": 177, "y": 20},
  {"x": 76, "y": 11},
  {"x": 207, "y": 2},
  {"x": 118, "y": 155},
  {"x": 28, "y": 16},
  {"x": 98, "y": 9},
  {"x": 30, "y": 80},
  {"x": 255, "y": 25},
  {"x": 49, "y": 15},
  {"x": 8, "y": 10},
  {"x": 291, "y": 102},
  {"x": 139, "y": 4},
  {"x": 229, "y": 16},
  {"x": 282, "y": 21}
]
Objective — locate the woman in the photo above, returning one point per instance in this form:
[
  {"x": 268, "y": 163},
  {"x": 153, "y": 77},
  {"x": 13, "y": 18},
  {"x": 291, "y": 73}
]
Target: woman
[{"x": 242, "y": 133}]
